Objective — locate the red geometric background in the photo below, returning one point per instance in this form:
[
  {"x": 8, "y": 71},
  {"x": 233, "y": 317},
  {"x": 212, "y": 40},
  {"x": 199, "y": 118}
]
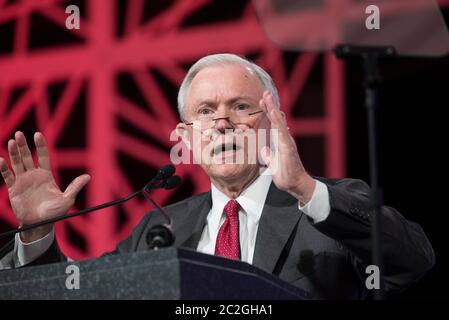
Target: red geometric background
[{"x": 105, "y": 98}]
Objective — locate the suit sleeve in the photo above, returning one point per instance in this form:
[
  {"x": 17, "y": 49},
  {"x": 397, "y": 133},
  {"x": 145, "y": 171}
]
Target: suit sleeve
[
  {"x": 9, "y": 256},
  {"x": 407, "y": 252}
]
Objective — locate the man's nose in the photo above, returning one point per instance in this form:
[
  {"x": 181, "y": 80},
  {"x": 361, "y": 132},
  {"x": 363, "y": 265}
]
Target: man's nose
[{"x": 223, "y": 122}]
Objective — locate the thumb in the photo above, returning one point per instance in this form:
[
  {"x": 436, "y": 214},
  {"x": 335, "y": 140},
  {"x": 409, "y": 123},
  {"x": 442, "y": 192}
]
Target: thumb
[
  {"x": 265, "y": 154},
  {"x": 76, "y": 185}
]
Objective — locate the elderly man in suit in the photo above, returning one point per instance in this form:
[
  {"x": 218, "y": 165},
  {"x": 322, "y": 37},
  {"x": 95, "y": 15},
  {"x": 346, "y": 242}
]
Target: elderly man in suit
[{"x": 312, "y": 232}]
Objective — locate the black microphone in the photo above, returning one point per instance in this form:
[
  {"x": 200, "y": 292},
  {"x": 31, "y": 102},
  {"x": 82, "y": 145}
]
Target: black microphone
[
  {"x": 163, "y": 176},
  {"x": 159, "y": 236},
  {"x": 172, "y": 182},
  {"x": 164, "y": 172}
]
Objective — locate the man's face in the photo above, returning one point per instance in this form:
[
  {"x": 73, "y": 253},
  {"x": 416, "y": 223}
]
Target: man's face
[{"x": 227, "y": 99}]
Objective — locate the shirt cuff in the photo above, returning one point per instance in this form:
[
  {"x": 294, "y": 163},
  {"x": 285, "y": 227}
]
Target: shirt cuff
[
  {"x": 318, "y": 208},
  {"x": 28, "y": 252}
]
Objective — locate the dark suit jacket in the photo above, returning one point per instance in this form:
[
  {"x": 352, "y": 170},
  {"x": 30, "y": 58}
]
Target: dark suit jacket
[{"x": 327, "y": 259}]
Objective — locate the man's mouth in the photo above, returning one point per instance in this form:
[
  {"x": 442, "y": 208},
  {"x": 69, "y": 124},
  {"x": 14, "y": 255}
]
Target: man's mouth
[{"x": 226, "y": 148}]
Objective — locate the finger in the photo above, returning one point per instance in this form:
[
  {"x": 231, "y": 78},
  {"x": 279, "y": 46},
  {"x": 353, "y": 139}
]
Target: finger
[
  {"x": 262, "y": 105},
  {"x": 14, "y": 156},
  {"x": 276, "y": 116},
  {"x": 267, "y": 104},
  {"x": 24, "y": 151},
  {"x": 271, "y": 159},
  {"x": 265, "y": 153},
  {"x": 6, "y": 173},
  {"x": 42, "y": 151},
  {"x": 76, "y": 185}
]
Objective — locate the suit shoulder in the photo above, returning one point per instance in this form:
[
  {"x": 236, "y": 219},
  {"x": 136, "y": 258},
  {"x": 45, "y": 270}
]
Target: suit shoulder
[
  {"x": 342, "y": 181},
  {"x": 193, "y": 199}
]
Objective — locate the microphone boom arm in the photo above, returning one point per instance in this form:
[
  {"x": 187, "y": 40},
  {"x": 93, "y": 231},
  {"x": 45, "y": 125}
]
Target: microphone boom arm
[
  {"x": 162, "y": 176},
  {"x": 68, "y": 216}
]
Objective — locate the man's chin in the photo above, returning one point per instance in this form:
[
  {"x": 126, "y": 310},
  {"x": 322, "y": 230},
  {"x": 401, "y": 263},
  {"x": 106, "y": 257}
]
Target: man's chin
[{"x": 229, "y": 171}]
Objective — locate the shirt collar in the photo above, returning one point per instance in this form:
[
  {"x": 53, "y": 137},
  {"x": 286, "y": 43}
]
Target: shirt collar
[{"x": 251, "y": 200}]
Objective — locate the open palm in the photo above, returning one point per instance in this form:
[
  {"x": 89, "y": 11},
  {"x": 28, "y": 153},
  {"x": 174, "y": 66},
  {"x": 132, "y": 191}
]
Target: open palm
[
  {"x": 33, "y": 192},
  {"x": 284, "y": 161}
]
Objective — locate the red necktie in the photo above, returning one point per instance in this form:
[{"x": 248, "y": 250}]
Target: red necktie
[{"x": 227, "y": 244}]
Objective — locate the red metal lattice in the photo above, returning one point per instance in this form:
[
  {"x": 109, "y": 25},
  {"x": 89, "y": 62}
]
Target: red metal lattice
[{"x": 160, "y": 43}]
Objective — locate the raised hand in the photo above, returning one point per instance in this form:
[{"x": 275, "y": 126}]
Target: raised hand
[
  {"x": 33, "y": 192},
  {"x": 284, "y": 162}
]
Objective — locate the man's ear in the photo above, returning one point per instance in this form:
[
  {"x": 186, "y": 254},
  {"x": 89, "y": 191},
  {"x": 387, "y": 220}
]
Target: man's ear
[{"x": 183, "y": 131}]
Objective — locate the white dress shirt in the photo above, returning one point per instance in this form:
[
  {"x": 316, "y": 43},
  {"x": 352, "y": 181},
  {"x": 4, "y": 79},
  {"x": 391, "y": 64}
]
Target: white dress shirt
[
  {"x": 28, "y": 252},
  {"x": 251, "y": 202}
]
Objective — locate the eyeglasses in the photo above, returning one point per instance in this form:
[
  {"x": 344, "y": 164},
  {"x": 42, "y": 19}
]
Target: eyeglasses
[{"x": 235, "y": 116}]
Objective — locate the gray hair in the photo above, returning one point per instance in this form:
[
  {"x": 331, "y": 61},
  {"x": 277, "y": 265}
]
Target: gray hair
[{"x": 222, "y": 59}]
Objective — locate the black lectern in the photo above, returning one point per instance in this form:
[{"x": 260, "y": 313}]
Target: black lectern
[{"x": 168, "y": 273}]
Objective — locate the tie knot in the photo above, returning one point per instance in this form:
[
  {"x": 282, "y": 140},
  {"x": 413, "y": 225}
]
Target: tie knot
[{"x": 231, "y": 209}]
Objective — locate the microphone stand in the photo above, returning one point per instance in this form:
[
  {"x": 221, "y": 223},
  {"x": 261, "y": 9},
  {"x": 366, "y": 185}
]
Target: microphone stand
[{"x": 372, "y": 79}]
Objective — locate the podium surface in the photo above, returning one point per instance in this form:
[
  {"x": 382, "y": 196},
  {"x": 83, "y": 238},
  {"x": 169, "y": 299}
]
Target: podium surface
[{"x": 168, "y": 273}]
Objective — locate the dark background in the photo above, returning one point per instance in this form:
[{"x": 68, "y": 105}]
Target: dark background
[
  {"x": 413, "y": 132},
  {"x": 413, "y": 128}
]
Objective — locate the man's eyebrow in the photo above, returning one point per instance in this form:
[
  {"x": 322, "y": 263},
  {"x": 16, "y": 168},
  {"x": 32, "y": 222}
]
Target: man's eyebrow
[
  {"x": 205, "y": 102},
  {"x": 232, "y": 100},
  {"x": 235, "y": 99}
]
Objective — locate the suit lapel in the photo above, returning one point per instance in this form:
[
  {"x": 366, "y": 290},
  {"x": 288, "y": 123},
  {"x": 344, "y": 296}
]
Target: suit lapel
[
  {"x": 188, "y": 233},
  {"x": 279, "y": 218}
]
